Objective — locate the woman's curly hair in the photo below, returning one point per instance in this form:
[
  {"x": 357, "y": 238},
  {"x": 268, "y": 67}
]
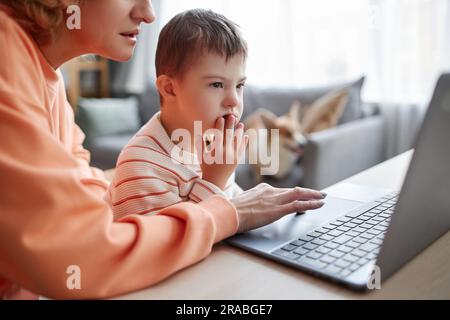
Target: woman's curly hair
[{"x": 40, "y": 18}]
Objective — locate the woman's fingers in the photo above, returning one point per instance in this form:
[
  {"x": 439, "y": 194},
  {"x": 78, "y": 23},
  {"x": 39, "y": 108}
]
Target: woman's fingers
[
  {"x": 299, "y": 193},
  {"x": 298, "y": 206}
]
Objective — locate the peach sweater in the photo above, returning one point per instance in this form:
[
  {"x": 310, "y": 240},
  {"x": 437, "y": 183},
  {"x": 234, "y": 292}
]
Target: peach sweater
[{"x": 52, "y": 209}]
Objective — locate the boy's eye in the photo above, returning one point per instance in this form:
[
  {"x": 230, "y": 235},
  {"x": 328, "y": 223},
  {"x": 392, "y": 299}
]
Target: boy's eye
[
  {"x": 217, "y": 85},
  {"x": 241, "y": 85}
]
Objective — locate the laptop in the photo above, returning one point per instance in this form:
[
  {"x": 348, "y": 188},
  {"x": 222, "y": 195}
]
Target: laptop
[{"x": 369, "y": 229}]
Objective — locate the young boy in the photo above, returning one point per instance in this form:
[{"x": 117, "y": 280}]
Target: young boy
[{"x": 200, "y": 66}]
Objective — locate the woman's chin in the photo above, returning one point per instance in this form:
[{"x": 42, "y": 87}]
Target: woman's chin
[{"x": 120, "y": 56}]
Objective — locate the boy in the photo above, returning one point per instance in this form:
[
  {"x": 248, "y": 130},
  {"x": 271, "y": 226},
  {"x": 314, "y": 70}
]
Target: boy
[{"x": 200, "y": 66}]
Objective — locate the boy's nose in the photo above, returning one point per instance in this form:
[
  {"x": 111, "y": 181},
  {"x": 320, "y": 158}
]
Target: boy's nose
[{"x": 231, "y": 100}]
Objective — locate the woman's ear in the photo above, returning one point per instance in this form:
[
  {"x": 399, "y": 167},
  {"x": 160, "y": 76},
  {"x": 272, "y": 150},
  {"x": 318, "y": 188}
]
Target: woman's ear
[{"x": 166, "y": 87}]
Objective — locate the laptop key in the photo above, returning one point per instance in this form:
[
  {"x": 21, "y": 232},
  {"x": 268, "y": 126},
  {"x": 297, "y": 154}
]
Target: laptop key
[
  {"x": 372, "y": 255},
  {"x": 335, "y": 233},
  {"x": 370, "y": 214},
  {"x": 360, "y": 240},
  {"x": 301, "y": 251},
  {"x": 333, "y": 269},
  {"x": 342, "y": 239},
  {"x": 354, "y": 267},
  {"x": 345, "y": 272},
  {"x": 305, "y": 238},
  {"x": 351, "y": 258},
  {"x": 322, "y": 230},
  {"x": 337, "y": 223},
  {"x": 380, "y": 228},
  {"x": 314, "y": 255},
  {"x": 352, "y": 233},
  {"x": 359, "y": 253},
  {"x": 359, "y": 229},
  {"x": 357, "y": 221},
  {"x": 343, "y": 228},
  {"x": 318, "y": 242},
  {"x": 289, "y": 247},
  {"x": 374, "y": 232},
  {"x": 312, "y": 262},
  {"x": 366, "y": 225},
  {"x": 368, "y": 247},
  {"x": 350, "y": 224},
  {"x": 323, "y": 250},
  {"x": 345, "y": 249},
  {"x": 326, "y": 237},
  {"x": 292, "y": 256},
  {"x": 329, "y": 227},
  {"x": 314, "y": 234},
  {"x": 344, "y": 219},
  {"x": 298, "y": 243},
  {"x": 331, "y": 245},
  {"x": 366, "y": 235},
  {"x": 337, "y": 254},
  {"x": 281, "y": 252},
  {"x": 363, "y": 261},
  {"x": 342, "y": 263},
  {"x": 310, "y": 246},
  {"x": 353, "y": 244},
  {"x": 327, "y": 259},
  {"x": 372, "y": 222},
  {"x": 377, "y": 241}
]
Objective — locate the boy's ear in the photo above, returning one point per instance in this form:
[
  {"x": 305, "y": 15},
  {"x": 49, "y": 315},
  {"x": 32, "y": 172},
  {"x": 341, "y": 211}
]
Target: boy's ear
[{"x": 165, "y": 85}]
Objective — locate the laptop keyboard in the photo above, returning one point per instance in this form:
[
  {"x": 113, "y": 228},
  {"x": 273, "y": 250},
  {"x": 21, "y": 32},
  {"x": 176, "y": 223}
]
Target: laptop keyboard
[{"x": 346, "y": 244}]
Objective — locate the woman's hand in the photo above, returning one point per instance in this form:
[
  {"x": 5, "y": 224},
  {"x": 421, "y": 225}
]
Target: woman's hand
[
  {"x": 265, "y": 204},
  {"x": 229, "y": 144}
]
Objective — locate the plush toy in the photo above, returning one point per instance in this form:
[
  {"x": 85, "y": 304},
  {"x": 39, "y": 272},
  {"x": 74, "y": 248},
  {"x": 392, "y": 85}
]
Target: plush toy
[{"x": 293, "y": 129}]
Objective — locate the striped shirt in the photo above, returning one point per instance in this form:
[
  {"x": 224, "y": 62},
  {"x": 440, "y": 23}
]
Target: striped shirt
[{"x": 148, "y": 179}]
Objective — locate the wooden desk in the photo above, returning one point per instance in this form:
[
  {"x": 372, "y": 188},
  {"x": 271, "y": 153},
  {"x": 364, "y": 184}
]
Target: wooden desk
[{"x": 230, "y": 273}]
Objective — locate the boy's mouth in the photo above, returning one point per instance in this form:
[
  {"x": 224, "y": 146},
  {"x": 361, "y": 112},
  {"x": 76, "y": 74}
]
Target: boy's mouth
[{"x": 236, "y": 118}]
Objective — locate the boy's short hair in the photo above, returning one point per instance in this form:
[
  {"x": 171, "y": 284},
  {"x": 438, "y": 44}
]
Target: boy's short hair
[{"x": 193, "y": 32}]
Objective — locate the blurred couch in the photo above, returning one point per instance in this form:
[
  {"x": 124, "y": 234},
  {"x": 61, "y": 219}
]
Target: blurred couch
[{"x": 331, "y": 155}]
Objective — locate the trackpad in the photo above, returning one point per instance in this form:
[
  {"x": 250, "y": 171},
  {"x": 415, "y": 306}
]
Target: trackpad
[{"x": 292, "y": 226}]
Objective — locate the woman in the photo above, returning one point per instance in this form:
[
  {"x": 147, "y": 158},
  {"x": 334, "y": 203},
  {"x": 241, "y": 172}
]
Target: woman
[{"x": 52, "y": 213}]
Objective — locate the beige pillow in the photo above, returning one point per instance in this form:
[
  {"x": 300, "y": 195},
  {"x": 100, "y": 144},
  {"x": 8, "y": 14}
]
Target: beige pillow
[{"x": 324, "y": 113}]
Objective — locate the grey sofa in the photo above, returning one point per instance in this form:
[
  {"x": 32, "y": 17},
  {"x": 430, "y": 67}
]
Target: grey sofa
[{"x": 356, "y": 144}]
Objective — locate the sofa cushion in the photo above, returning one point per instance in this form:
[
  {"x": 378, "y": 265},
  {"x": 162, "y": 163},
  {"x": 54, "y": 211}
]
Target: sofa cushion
[
  {"x": 149, "y": 103},
  {"x": 109, "y": 116},
  {"x": 325, "y": 112},
  {"x": 279, "y": 101},
  {"x": 105, "y": 150}
]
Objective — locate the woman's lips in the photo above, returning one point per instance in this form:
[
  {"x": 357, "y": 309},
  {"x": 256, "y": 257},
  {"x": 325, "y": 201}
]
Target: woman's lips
[{"x": 132, "y": 36}]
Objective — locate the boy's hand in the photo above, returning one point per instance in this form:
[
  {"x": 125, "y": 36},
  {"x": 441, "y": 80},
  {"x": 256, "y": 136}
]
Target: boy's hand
[{"x": 219, "y": 160}]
